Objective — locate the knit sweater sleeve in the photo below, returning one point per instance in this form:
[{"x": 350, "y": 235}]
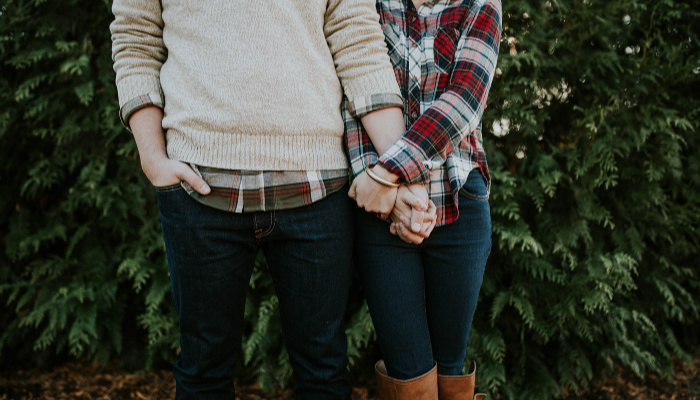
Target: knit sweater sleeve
[
  {"x": 360, "y": 56},
  {"x": 138, "y": 52}
]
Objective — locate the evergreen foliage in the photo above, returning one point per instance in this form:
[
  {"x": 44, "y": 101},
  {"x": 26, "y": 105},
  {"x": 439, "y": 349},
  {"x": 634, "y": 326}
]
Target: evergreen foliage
[{"x": 592, "y": 138}]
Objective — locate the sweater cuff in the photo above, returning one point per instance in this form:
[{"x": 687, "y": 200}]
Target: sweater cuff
[
  {"x": 372, "y": 91},
  {"x": 406, "y": 160}
]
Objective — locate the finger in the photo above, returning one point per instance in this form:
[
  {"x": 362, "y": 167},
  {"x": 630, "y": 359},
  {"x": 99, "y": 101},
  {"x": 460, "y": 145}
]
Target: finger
[
  {"x": 432, "y": 208},
  {"x": 417, "y": 218},
  {"x": 401, "y": 233},
  {"x": 406, "y": 232},
  {"x": 413, "y": 201},
  {"x": 407, "y": 236},
  {"x": 432, "y": 218},
  {"x": 386, "y": 208},
  {"x": 198, "y": 184},
  {"x": 392, "y": 229},
  {"x": 428, "y": 229},
  {"x": 353, "y": 190}
]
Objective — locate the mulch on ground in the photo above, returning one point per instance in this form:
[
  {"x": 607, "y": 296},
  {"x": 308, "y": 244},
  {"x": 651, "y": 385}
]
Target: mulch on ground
[
  {"x": 685, "y": 385},
  {"x": 77, "y": 381}
]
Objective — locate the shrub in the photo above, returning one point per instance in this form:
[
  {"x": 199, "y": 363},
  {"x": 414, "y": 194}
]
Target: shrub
[{"x": 591, "y": 135}]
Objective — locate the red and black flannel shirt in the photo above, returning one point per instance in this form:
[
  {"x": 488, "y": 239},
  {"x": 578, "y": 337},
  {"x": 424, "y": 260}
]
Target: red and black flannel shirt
[{"x": 444, "y": 55}]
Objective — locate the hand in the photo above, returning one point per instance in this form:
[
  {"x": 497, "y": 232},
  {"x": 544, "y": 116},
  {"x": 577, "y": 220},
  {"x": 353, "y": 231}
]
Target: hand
[
  {"x": 400, "y": 226},
  {"x": 162, "y": 171},
  {"x": 414, "y": 216},
  {"x": 373, "y": 196},
  {"x": 146, "y": 124}
]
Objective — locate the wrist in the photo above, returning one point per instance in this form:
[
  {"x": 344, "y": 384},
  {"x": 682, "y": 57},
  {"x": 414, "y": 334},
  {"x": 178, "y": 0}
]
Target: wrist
[
  {"x": 382, "y": 173},
  {"x": 153, "y": 159}
]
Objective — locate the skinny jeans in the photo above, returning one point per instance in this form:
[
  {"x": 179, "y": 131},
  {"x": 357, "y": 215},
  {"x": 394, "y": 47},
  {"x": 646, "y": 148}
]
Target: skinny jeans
[{"x": 422, "y": 298}]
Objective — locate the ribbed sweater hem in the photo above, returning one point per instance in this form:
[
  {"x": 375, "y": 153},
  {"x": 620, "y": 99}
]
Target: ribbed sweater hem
[{"x": 258, "y": 152}]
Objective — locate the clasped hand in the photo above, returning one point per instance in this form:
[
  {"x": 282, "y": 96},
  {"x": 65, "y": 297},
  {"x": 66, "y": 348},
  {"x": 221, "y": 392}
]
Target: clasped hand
[{"x": 411, "y": 213}]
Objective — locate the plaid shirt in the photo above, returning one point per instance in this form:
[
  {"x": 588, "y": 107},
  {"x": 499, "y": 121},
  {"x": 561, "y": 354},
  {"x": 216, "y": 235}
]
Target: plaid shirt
[
  {"x": 444, "y": 56},
  {"x": 248, "y": 191}
]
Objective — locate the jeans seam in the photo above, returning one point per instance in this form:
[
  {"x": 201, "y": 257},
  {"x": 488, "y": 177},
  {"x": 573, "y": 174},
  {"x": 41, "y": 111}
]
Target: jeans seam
[{"x": 260, "y": 233}]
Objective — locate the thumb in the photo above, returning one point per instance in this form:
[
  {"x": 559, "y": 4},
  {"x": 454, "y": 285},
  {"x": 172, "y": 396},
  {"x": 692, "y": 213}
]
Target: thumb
[{"x": 198, "y": 184}]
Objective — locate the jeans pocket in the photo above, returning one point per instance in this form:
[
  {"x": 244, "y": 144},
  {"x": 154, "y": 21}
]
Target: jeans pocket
[
  {"x": 168, "y": 188},
  {"x": 475, "y": 187}
]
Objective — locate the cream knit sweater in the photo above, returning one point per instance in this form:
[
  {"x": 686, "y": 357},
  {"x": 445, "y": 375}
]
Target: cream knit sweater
[{"x": 252, "y": 85}]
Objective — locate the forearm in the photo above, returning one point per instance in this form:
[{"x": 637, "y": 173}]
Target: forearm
[
  {"x": 370, "y": 189},
  {"x": 146, "y": 125},
  {"x": 384, "y": 127}
]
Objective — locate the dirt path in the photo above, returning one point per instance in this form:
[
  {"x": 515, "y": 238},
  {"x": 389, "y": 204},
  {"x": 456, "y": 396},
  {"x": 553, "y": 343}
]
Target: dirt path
[{"x": 84, "y": 382}]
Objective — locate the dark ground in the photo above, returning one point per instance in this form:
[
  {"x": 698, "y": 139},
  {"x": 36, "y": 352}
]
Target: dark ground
[{"x": 83, "y": 382}]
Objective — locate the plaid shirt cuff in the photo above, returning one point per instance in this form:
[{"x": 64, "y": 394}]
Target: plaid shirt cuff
[
  {"x": 137, "y": 103},
  {"x": 362, "y": 106},
  {"x": 406, "y": 160}
]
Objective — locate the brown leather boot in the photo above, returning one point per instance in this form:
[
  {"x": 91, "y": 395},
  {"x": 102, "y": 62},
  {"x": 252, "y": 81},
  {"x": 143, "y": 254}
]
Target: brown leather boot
[
  {"x": 423, "y": 387},
  {"x": 459, "y": 387}
]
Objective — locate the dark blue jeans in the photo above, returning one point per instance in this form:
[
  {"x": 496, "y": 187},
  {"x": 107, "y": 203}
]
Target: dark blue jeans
[
  {"x": 211, "y": 255},
  {"x": 422, "y": 297}
]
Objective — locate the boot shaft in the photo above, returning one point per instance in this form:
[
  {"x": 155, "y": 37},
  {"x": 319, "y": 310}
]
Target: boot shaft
[
  {"x": 460, "y": 387},
  {"x": 424, "y": 387}
]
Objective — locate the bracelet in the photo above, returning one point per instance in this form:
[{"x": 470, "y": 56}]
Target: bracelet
[{"x": 380, "y": 180}]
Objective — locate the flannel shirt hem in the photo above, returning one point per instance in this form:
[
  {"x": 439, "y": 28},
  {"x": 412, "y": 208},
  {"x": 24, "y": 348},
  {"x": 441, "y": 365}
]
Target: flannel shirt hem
[
  {"x": 136, "y": 104},
  {"x": 242, "y": 191},
  {"x": 365, "y": 105}
]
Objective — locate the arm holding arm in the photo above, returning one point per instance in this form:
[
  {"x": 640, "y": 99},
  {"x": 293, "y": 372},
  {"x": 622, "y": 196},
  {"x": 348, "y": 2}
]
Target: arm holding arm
[
  {"x": 406, "y": 205},
  {"x": 378, "y": 131},
  {"x": 363, "y": 67},
  {"x": 457, "y": 112}
]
